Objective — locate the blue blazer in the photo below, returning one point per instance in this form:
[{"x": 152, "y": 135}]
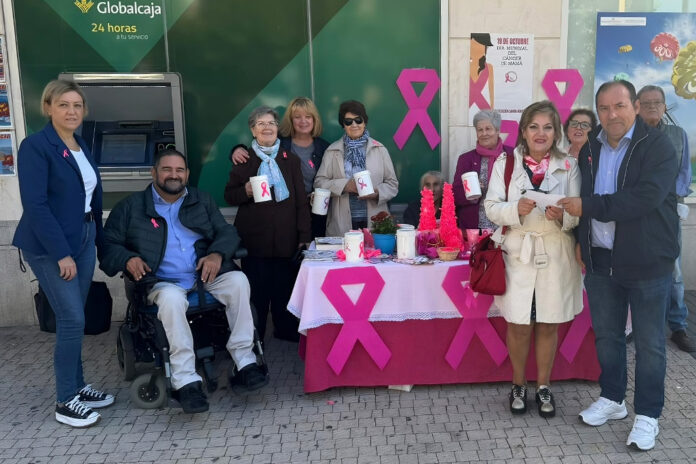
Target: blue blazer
[{"x": 53, "y": 196}]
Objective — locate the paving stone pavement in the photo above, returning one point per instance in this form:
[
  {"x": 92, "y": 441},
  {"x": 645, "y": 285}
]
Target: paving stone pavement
[{"x": 280, "y": 423}]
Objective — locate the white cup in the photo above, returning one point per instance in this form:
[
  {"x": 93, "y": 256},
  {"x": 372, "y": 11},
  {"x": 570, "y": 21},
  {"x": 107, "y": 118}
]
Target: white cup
[
  {"x": 406, "y": 243},
  {"x": 320, "y": 203},
  {"x": 261, "y": 188},
  {"x": 472, "y": 188},
  {"x": 364, "y": 183},
  {"x": 406, "y": 227},
  {"x": 353, "y": 246}
]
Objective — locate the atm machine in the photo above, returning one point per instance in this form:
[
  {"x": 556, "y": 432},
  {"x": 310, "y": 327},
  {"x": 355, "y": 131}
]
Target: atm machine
[{"x": 130, "y": 117}]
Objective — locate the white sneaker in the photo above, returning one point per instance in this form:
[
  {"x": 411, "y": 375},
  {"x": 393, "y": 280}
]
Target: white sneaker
[
  {"x": 644, "y": 432},
  {"x": 603, "y": 410}
]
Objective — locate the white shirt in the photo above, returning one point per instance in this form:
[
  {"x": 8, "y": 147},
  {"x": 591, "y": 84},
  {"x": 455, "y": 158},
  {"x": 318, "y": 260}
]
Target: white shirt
[{"x": 89, "y": 177}]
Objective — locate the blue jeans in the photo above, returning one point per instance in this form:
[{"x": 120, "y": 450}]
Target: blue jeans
[
  {"x": 67, "y": 299},
  {"x": 609, "y": 301},
  {"x": 677, "y": 313}
]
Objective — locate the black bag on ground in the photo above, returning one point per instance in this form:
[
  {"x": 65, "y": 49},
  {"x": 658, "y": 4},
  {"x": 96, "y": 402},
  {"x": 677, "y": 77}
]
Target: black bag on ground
[{"x": 97, "y": 310}]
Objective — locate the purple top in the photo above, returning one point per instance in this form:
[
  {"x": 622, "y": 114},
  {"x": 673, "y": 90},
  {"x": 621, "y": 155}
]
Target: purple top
[{"x": 468, "y": 210}]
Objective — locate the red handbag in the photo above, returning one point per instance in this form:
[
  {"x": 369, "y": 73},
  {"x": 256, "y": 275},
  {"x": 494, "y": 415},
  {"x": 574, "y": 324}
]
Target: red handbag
[{"x": 486, "y": 261}]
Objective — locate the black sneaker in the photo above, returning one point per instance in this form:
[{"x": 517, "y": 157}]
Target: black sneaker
[
  {"x": 251, "y": 377},
  {"x": 518, "y": 399},
  {"x": 191, "y": 398},
  {"x": 545, "y": 402},
  {"x": 683, "y": 341},
  {"x": 75, "y": 413},
  {"x": 95, "y": 398}
]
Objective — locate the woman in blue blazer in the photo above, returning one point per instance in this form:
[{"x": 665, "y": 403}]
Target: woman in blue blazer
[{"x": 62, "y": 221}]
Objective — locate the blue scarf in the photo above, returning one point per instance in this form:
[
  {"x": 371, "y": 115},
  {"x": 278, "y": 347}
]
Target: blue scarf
[
  {"x": 355, "y": 151},
  {"x": 270, "y": 168}
]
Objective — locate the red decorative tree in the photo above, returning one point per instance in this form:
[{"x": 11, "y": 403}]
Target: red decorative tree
[
  {"x": 427, "y": 211},
  {"x": 449, "y": 232}
]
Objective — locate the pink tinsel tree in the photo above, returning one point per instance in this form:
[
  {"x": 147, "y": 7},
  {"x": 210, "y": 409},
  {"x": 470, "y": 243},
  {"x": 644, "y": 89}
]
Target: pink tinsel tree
[
  {"x": 449, "y": 232},
  {"x": 427, "y": 211}
]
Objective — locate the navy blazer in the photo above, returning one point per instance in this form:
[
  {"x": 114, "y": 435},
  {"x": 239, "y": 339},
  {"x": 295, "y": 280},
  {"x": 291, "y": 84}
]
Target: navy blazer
[{"x": 53, "y": 196}]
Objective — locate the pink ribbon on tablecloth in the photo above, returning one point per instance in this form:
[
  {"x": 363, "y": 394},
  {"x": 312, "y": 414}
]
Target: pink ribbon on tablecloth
[
  {"x": 577, "y": 332},
  {"x": 474, "y": 311},
  {"x": 264, "y": 190},
  {"x": 356, "y": 326},
  {"x": 417, "y": 105}
]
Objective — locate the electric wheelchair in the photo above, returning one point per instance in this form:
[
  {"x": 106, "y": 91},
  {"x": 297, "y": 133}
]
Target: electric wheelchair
[{"x": 143, "y": 350}]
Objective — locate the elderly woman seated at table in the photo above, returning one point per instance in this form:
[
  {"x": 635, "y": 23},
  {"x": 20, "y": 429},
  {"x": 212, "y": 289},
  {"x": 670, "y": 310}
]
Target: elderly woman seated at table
[
  {"x": 355, "y": 152},
  {"x": 432, "y": 180},
  {"x": 471, "y": 214},
  {"x": 272, "y": 231}
]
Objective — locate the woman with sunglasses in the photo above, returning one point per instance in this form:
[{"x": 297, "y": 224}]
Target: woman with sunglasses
[
  {"x": 355, "y": 152},
  {"x": 580, "y": 122}
]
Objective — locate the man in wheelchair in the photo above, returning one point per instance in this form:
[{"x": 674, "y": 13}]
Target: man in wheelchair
[{"x": 174, "y": 232}]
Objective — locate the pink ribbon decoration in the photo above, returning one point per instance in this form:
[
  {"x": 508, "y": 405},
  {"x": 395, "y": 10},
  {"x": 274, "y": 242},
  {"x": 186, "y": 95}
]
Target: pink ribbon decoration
[
  {"x": 362, "y": 250},
  {"x": 476, "y": 90},
  {"x": 154, "y": 223},
  {"x": 474, "y": 311},
  {"x": 511, "y": 129},
  {"x": 577, "y": 332},
  {"x": 564, "y": 102},
  {"x": 466, "y": 186},
  {"x": 417, "y": 105},
  {"x": 567, "y": 164},
  {"x": 326, "y": 202},
  {"x": 362, "y": 183},
  {"x": 356, "y": 326},
  {"x": 65, "y": 153},
  {"x": 311, "y": 164},
  {"x": 264, "y": 190}
]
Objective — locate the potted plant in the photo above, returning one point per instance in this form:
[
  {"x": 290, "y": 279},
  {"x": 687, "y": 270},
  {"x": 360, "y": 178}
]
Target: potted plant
[{"x": 384, "y": 231}]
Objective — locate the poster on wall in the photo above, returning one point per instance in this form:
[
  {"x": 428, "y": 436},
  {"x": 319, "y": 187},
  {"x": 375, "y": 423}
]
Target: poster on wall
[
  {"x": 500, "y": 74},
  {"x": 7, "y": 154},
  {"x": 652, "y": 49},
  {"x": 2, "y": 58},
  {"x": 5, "y": 115}
]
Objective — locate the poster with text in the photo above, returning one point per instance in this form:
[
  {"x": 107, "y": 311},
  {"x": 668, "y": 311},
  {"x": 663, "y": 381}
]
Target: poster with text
[
  {"x": 500, "y": 74},
  {"x": 5, "y": 115},
  {"x": 2, "y": 58},
  {"x": 652, "y": 49},
  {"x": 7, "y": 154}
]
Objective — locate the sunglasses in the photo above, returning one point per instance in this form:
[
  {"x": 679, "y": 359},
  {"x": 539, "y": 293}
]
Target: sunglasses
[
  {"x": 348, "y": 121},
  {"x": 581, "y": 124}
]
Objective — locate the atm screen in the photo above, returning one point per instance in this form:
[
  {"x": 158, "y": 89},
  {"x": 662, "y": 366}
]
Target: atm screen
[{"x": 123, "y": 149}]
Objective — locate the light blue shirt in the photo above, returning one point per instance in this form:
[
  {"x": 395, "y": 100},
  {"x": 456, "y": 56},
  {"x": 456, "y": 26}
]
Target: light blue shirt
[
  {"x": 606, "y": 183},
  {"x": 179, "y": 262}
]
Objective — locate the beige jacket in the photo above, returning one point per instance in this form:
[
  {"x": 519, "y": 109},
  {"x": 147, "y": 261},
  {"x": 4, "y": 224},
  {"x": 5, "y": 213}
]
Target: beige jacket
[
  {"x": 557, "y": 286},
  {"x": 332, "y": 176}
]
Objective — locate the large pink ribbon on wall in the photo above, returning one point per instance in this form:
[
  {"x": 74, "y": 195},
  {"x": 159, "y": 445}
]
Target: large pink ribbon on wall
[
  {"x": 577, "y": 332},
  {"x": 474, "y": 311},
  {"x": 417, "y": 105},
  {"x": 563, "y": 101},
  {"x": 356, "y": 326}
]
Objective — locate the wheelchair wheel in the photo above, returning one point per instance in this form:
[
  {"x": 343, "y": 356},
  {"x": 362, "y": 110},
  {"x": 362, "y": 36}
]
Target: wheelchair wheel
[
  {"x": 125, "y": 354},
  {"x": 147, "y": 396}
]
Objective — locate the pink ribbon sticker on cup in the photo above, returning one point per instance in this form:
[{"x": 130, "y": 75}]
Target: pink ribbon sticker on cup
[
  {"x": 417, "y": 105},
  {"x": 264, "y": 190}
]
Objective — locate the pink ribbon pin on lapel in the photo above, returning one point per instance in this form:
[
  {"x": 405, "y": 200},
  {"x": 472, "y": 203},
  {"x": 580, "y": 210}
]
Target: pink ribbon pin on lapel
[
  {"x": 65, "y": 153},
  {"x": 154, "y": 223}
]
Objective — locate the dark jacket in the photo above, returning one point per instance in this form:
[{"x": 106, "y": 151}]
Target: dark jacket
[
  {"x": 135, "y": 229},
  {"x": 644, "y": 205},
  {"x": 320, "y": 146},
  {"x": 270, "y": 229},
  {"x": 53, "y": 196}
]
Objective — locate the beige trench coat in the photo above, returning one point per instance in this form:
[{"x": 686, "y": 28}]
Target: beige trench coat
[
  {"x": 557, "y": 286},
  {"x": 332, "y": 176}
]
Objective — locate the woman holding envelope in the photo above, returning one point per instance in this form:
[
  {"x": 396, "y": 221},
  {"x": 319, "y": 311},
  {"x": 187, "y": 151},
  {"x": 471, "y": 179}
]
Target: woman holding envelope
[
  {"x": 273, "y": 224},
  {"x": 542, "y": 277},
  {"x": 351, "y": 206}
]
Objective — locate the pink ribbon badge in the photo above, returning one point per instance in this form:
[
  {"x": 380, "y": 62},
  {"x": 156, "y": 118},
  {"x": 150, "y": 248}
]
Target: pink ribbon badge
[
  {"x": 577, "y": 332},
  {"x": 417, "y": 105},
  {"x": 154, "y": 223},
  {"x": 474, "y": 311},
  {"x": 65, "y": 153},
  {"x": 264, "y": 190},
  {"x": 567, "y": 164},
  {"x": 356, "y": 327},
  {"x": 362, "y": 183},
  {"x": 311, "y": 164},
  {"x": 574, "y": 82}
]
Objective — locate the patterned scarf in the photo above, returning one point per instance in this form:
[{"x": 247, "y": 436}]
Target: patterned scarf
[
  {"x": 355, "y": 151},
  {"x": 270, "y": 168},
  {"x": 538, "y": 169},
  {"x": 490, "y": 153}
]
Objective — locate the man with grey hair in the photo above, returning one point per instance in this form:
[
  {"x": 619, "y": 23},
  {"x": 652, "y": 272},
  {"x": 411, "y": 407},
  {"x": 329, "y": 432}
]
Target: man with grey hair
[{"x": 652, "y": 110}]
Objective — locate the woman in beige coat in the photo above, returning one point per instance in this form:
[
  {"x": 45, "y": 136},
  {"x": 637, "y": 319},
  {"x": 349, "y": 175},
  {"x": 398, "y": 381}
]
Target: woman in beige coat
[
  {"x": 355, "y": 152},
  {"x": 543, "y": 279}
]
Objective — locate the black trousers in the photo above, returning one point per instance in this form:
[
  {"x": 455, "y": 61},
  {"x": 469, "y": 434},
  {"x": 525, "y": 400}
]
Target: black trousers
[{"x": 271, "y": 281}]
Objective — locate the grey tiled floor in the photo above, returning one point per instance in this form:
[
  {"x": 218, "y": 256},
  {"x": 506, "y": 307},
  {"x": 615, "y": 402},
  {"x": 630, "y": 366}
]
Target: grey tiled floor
[{"x": 433, "y": 424}]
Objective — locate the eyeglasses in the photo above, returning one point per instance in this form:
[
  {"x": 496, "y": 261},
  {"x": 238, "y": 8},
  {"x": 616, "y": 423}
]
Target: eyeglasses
[
  {"x": 348, "y": 121},
  {"x": 264, "y": 124},
  {"x": 584, "y": 125},
  {"x": 652, "y": 104}
]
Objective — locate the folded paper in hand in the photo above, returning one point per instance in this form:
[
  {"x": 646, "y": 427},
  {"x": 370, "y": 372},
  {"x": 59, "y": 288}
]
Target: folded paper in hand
[{"x": 542, "y": 199}]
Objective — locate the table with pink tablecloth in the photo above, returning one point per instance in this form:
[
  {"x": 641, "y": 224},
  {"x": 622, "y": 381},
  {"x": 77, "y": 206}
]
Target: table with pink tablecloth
[{"x": 397, "y": 324}]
